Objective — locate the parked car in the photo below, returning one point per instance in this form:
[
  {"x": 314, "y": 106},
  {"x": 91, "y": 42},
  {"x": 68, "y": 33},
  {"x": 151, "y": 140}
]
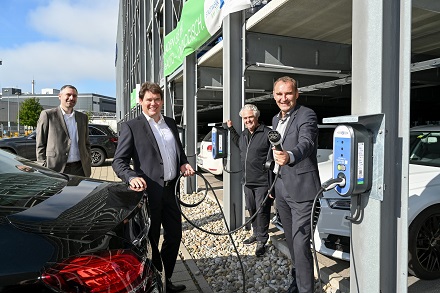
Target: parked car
[
  {"x": 63, "y": 233},
  {"x": 103, "y": 141},
  {"x": 332, "y": 235},
  {"x": 23, "y": 146},
  {"x": 205, "y": 161}
]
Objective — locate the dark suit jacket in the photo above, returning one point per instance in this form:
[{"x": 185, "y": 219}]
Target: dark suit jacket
[
  {"x": 53, "y": 141},
  {"x": 137, "y": 142},
  {"x": 301, "y": 177}
]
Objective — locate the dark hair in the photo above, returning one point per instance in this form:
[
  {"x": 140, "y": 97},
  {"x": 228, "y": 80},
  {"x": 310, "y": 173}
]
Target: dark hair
[
  {"x": 151, "y": 87},
  {"x": 287, "y": 79},
  {"x": 68, "y": 86}
]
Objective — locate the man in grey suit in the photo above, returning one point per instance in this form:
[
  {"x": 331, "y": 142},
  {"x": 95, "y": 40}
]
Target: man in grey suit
[
  {"x": 63, "y": 136},
  {"x": 151, "y": 142},
  {"x": 298, "y": 181}
]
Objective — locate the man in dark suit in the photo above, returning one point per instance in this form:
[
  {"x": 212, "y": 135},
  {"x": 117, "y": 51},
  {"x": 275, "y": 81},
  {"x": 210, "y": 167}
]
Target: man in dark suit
[
  {"x": 151, "y": 141},
  {"x": 298, "y": 181},
  {"x": 63, "y": 136}
]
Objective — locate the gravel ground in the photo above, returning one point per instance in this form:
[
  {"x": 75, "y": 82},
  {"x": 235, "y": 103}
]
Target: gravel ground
[{"x": 217, "y": 259}]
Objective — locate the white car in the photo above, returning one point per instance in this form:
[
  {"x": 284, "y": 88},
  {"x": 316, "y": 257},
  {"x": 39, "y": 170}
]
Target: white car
[
  {"x": 205, "y": 161},
  {"x": 333, "y": 230}
]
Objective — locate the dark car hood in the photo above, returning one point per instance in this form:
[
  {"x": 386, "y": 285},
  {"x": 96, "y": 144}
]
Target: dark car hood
[
  {"x": 14, "y": 138},
  {"x": 83, "y": 209}
]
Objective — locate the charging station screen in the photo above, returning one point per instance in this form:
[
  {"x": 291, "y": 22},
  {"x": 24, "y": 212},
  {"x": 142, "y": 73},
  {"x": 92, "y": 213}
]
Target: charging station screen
[
  {"x": 361, "y": 163},
  {"x": 219, "y": 144}
]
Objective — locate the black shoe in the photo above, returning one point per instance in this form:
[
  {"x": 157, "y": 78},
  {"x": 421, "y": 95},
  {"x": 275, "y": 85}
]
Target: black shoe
[
  {"x": 174, "y": 288},
  {"x": 261, "y": 249},
  {"x": 293, "y": 286},
  {"x": 250, "y": 240}
]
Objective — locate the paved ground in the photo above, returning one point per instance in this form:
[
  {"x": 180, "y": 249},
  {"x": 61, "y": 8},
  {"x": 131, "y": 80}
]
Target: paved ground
[{"x": 105, "y": 172}]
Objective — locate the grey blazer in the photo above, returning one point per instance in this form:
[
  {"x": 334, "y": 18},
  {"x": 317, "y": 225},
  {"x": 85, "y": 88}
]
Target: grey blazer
[
  {"x": 301, "y": 177},
  {"x": 53, "y": 141}
]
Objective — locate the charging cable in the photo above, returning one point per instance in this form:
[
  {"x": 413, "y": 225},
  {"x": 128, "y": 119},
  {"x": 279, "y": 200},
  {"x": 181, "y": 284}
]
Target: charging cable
[
  {"x": 329, "y": 184},
  {"x": 326, "y": 186},
  {"x": 229, "y": 232},
  {"x": 209, "y": 187}
]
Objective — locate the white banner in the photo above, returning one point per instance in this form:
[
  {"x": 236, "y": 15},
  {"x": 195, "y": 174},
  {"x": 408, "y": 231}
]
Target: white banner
[{"x": 216, "y": 10}]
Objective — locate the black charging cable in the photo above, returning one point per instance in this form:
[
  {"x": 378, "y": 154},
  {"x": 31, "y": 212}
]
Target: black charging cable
[
  {"x": 229, "y": 232},
  {"x": 206, "y": 182},
  {"x": 329, "y": 184}
]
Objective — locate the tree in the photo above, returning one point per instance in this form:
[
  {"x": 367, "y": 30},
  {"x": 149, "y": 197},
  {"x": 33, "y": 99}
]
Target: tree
[
  {"x": 89, "y": 115},
  {"x": 30, "y": 110}
]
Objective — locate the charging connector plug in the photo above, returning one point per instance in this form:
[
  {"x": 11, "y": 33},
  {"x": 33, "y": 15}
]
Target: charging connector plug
[{"x": 332, "y": 183}]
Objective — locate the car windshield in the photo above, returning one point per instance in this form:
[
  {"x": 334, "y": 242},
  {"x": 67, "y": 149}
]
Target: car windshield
[
  {"x": 24, "y": 183},
  {"x": 425, "y": 148},
  {"x": 325, "y": 138},
  {"x": 208, "y": 137}
]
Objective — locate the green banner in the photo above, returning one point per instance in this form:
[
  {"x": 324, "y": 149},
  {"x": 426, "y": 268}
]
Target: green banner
[
  {"x": 200, "y": 20},
  {"x": 134, "y": 96},
  {"x": 189, "y": 35}
]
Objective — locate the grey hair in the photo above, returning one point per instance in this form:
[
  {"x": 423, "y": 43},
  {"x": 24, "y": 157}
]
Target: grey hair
[{"x": 251, "y": 107}]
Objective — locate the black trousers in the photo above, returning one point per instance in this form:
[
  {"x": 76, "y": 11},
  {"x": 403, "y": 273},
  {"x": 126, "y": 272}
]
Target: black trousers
[
  {"x": 74, "y": 168},
  {"x": 295, "y": 217},
  {"x": 254, "y": 196},
  {"x": 165, "y": 213}
]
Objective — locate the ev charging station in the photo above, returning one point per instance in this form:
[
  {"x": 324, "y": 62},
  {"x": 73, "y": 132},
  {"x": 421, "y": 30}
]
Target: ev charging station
[
  {"x": 219, "y": 142},
  {"x": 358, "y": 157},
  {"x": 352, "y": 158}
]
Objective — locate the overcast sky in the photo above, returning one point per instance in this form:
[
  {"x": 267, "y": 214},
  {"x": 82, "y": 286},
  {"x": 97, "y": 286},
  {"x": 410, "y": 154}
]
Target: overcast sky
[{"x": 57, "y": 42}]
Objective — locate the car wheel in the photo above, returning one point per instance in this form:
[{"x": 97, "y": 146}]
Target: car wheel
[
  {"x": 424, "y": 244},
  {"x": 98, "y": 157}
]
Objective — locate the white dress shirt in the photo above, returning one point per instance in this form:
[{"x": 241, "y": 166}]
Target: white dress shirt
[
  {"x": 73, "y": 135},
  {"x": 167, "y": 146}
]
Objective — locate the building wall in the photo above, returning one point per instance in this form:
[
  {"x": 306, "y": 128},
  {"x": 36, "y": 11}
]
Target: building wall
[{"x": 86, "y": 102}]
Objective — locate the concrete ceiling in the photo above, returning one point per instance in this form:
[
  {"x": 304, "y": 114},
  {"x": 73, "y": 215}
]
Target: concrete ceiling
[
  {"x": 329, "y": 22},
  {"x": 326, "y": 21}
]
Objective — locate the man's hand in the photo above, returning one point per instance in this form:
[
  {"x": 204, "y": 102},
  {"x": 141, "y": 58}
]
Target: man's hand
[
  {"x": 187, "y": 170},
  {"x": 229, "y": 123},
  {"x": 138, "y": 184},
  {"x": 281, "y": 157}
]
